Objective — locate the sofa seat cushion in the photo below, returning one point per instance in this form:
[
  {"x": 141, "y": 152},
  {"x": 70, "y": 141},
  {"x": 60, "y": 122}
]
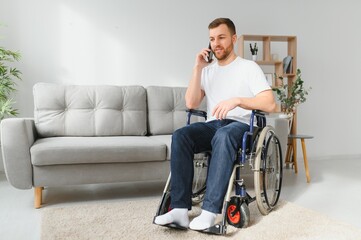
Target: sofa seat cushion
[
  {"x": 165, "y": 139},
  {"x": 82, "y": 150}
]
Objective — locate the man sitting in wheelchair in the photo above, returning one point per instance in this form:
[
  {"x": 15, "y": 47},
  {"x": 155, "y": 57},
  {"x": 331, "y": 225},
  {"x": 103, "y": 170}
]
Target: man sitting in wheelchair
[{"x": 233, "y": 87}]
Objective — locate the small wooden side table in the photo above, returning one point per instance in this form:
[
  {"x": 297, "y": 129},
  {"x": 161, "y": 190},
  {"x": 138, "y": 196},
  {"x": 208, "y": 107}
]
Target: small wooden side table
[{"x": 290, "y": 152}]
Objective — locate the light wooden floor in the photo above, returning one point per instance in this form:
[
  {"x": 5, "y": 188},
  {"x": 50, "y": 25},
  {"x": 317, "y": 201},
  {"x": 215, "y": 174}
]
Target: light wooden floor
[{"x": 335, "y": 190}]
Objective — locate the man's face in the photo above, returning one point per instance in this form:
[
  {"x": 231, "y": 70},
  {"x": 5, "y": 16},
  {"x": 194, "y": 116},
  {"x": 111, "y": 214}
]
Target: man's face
[{"x": 221, "y": 41}]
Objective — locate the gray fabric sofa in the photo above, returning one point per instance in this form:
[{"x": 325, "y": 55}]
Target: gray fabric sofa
[{"x": 92, "y": 134}]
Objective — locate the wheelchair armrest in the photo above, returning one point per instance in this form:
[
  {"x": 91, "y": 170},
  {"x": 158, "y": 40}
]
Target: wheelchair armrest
[
  {"x": 195, "y": 112},
  {"x": 198, "y": 113},
  {"x": 260, "y": 116},
  {"x": 259, "y": 112}
]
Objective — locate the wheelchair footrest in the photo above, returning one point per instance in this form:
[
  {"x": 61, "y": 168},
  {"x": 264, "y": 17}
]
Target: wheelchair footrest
[
  {"x": 217, "y": 229},
  {"x": 171, "y": 225}
]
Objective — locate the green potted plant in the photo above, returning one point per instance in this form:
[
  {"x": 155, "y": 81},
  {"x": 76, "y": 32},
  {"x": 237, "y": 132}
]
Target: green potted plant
[
  {"x": 8, "y": 75},
  {"x": 254, "y": 51},
  {"x": 292, "y": 97}
]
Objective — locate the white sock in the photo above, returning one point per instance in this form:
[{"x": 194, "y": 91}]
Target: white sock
[
  {"x": 203, "y": 221},
  {"x": 176, "y": 215}
]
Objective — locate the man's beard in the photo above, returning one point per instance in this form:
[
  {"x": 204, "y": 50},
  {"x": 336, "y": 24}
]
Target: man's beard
[{"x": 227, "y": 52}]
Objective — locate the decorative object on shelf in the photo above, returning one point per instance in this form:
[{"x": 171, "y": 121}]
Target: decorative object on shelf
[
  {"x": 254, "y": 51},
  {"x": 287, "y": 64},
  {"x": 8, "y": 75},
  {"x": 292, "y": 97}
]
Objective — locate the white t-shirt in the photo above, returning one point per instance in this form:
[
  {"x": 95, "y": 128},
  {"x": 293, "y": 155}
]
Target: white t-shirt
[{"x": 240, "y": 78}]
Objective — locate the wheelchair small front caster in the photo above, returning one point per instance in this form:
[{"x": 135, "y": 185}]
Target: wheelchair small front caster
[{"x": 238, "y": 214}]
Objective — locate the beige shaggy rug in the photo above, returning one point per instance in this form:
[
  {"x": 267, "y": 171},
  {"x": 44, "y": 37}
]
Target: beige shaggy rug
[{"x": 133, "y": 220}]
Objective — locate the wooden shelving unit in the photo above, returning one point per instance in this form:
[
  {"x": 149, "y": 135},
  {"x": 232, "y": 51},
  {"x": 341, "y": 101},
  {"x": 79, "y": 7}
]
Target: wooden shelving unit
[{"x": 266, "y": 42}]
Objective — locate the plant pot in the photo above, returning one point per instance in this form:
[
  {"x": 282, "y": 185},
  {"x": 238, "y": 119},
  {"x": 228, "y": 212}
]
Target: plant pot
[
  {"x": 254, "y": 57},
  {"x": 289, "y": 118},
  {"x": 286, "y": 115}
]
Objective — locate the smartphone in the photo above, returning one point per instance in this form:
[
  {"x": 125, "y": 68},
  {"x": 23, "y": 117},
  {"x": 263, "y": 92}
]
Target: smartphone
[{"x": 210, "y": 56}]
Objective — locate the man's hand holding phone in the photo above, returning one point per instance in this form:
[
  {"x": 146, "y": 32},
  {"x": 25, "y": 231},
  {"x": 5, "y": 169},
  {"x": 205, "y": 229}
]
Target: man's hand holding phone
[{"x": 204, "y": 57}]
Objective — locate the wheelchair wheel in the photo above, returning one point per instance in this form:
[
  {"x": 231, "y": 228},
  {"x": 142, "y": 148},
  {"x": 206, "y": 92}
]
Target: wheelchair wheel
[
  {"x": 268, "y": 170},
  {"x": 199, "y": 179},
  {"x": 238, "y": 214}
]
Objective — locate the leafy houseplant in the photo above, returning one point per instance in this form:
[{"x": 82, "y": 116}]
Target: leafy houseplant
[
  {"x": 8, "y": 75},
  {"x": 292, "y": 97}
]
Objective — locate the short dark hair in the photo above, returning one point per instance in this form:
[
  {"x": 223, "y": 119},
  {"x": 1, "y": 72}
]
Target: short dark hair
[{"x": 218, "y": 21}]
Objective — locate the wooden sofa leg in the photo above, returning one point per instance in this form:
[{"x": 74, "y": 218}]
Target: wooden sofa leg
[{"x": 38, "y": 196}]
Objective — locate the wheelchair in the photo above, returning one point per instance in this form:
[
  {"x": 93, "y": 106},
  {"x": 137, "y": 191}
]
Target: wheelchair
[{"x": 261, "y": 153}]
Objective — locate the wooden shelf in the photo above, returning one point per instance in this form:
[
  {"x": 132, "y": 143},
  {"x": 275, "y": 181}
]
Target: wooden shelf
[
  {"x": 288, "y": 75},
  {"x": 272, "y": 38},
  {"x": 268, "y": 62}
]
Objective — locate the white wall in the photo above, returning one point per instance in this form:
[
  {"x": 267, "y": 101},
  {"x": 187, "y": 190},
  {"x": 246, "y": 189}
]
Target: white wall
[{"x": 154, "y": 43}]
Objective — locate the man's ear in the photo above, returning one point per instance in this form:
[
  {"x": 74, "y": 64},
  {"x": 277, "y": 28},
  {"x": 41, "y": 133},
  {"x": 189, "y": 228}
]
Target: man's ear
[{"x": 234, "y": 38}]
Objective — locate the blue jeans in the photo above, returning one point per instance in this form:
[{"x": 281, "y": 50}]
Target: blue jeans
[{"x": 223, "y": 138}]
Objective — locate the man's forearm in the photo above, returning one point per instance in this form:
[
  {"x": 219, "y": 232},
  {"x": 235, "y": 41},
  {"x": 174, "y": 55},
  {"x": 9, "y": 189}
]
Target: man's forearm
[
  {"x": 264, "y": 102},
  {"x": 194, "y": 93}
]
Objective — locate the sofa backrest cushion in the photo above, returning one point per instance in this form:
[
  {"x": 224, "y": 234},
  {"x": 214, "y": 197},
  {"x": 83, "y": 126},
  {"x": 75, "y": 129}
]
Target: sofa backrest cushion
[
  {"x": 167, "y": 109},
  {"x": 72, "y": 110}
]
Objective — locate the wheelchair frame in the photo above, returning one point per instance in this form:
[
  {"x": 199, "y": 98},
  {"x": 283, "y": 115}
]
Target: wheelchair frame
[{"x": 256, "y": 144}]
